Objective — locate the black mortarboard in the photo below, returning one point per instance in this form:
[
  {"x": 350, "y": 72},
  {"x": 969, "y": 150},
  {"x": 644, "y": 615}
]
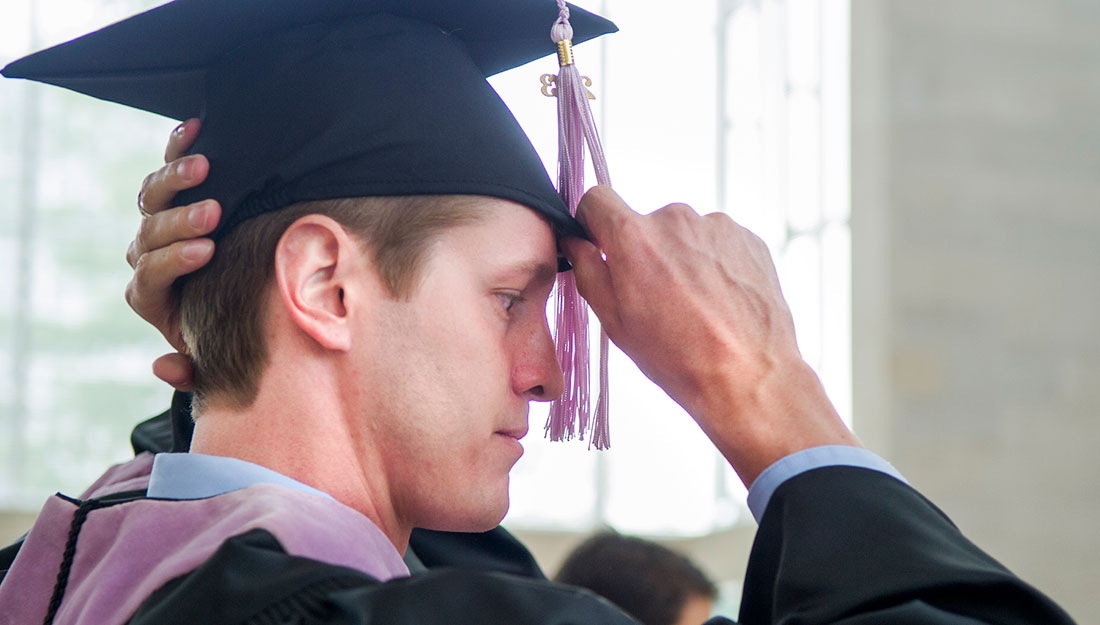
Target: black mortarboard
[{"x": 319, "y": 99}]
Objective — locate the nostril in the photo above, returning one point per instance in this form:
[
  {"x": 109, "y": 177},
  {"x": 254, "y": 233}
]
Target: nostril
[{"x": 538, "y": 391}]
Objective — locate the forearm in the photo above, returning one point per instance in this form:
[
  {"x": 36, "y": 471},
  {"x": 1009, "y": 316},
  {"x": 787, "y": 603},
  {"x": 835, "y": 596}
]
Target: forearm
[{"x": 782, "y": 410}]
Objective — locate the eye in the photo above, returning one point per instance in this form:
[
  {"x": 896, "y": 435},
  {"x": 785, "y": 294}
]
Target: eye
[{"x": 509, "y": 299}]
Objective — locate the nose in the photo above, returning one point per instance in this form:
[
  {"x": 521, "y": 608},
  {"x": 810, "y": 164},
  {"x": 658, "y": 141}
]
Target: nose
[{"x": 536, "y": 373}]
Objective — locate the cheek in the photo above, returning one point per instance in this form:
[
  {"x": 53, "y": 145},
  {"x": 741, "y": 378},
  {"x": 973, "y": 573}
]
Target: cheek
[
  {"x": 451, "y": 375},
  {"x": 469, "y": 352}
]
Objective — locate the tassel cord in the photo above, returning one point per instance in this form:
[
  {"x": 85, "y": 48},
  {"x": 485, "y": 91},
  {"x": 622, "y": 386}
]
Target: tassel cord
[{"x": 576, "y": 128}]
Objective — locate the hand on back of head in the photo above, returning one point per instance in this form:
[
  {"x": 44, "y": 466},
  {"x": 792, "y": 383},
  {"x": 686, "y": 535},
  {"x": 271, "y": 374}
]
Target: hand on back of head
[{"x": 169, "y": 243}]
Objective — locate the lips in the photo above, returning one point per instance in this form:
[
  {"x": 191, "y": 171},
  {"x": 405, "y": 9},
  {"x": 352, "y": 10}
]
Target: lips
[
  {"x": 516, "y": 432},
  {"x": 510, "y": 439}
]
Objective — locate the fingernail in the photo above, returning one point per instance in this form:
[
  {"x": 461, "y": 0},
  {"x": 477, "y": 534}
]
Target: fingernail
[
  {"x": 178, "y": 131},
  {"x": 195, "y": 250},
  {"x": 197, "y": 217}
]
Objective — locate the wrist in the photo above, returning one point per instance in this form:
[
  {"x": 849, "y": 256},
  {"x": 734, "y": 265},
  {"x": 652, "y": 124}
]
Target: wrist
[{"x": 759, "y": 416}]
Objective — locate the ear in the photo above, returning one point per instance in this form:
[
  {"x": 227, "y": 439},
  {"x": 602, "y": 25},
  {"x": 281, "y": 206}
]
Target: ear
[{"x": 315, "y": 263}]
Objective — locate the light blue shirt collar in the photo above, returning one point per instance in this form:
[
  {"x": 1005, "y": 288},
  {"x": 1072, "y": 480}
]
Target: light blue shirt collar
[{"x": 198, "y": 476}]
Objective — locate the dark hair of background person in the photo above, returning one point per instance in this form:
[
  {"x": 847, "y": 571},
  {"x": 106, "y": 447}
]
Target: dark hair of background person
[{"x": 650, "y": 582}]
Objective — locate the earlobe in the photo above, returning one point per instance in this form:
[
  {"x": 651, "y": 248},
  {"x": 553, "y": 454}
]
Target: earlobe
[{"x": 312, "y": 264}]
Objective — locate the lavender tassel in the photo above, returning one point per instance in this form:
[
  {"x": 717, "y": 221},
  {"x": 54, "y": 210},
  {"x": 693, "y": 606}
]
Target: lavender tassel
[{"x": 576, "y": 128}]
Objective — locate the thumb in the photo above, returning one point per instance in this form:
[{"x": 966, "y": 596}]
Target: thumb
[
  {"x": 602, "y": 212},
  {"x": 593, "y": 280},
  {"x": 175, "y": 369}
]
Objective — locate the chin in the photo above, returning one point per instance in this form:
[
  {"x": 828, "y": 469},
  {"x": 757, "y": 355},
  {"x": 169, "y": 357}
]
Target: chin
[
  {"x": 487, "y": 518},
  {"x": 481, "y": 518},
  {"x": 466, "y": 524}
]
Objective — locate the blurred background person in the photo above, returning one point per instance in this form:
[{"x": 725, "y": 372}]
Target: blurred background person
[{"x": 649, "y": 581}]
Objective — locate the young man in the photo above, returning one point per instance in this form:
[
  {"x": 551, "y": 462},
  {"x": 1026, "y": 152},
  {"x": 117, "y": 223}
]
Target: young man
[
  {"x": 370, "y": 331},
  {"x": 842, "y": 538}
]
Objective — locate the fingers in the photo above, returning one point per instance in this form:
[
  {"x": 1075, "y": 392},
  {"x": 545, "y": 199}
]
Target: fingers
[
  {"x": 181, "y": 139},
  {"x": 176, "y": 370},
  {"x": 167, "y": 246},
  {"x": 593, "y": 280},
  {"x": 179, "y": 172},
  {"x": 602, "y": 212},
  {"x": 169, "y": 226},
  {"x": 149, "y": 292},
  {"x": 160, "y": 187}
]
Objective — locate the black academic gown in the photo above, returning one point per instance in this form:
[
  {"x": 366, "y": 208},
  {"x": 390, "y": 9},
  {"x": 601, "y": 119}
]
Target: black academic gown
[{"x": 837, "y": 545}]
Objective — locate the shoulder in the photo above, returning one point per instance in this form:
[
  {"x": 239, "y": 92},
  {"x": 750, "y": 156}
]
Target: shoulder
[
  {"x": 252, "y": 579},
  {"x": 249, "y": 578}
]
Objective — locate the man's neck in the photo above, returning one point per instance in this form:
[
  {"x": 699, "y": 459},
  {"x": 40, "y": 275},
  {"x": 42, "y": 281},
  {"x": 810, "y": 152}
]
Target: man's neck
[{"x": 306, "y": 441}]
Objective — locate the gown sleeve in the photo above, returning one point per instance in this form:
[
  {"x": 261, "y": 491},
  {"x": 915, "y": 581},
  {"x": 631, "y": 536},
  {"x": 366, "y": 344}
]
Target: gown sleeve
[{"x": 851, "y": 546}]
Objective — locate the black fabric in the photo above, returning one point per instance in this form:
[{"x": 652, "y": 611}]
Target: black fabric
[
  {"x": 495, "y": 550},
  {"x": 849, "y": 546},
  {"x": 330, "y": 99},
  {"x": 169, "y": 431},
  {"x": 250, "y": 579},
  {"x": 153, "y": 435},
  {"x": 7, "y": 556}
]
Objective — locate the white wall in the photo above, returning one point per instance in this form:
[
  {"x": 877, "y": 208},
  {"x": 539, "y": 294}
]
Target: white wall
[{"x": 976, "y": 221}]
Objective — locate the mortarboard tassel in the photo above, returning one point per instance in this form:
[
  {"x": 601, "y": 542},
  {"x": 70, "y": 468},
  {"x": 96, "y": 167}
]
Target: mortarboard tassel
[{"x": 576, "y": 127}]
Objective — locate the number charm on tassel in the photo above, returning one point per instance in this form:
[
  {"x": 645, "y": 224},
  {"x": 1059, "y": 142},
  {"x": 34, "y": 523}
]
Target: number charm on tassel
[{"x": 550, "y": 90}]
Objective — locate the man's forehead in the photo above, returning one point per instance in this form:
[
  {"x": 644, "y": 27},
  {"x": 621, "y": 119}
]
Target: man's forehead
[{"x": 509, "y": 238}]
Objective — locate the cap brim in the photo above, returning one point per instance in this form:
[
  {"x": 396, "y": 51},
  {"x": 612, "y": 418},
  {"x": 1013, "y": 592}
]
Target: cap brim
[{"x": 178, "y": 42}]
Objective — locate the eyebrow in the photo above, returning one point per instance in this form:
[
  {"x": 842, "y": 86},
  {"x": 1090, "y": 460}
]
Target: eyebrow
[{"x": 539, "y": 272}]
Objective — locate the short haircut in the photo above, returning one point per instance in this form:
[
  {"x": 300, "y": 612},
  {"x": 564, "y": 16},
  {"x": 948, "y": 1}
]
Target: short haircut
[
  {"x": 650, "y": 582},
  {"x": 222, "y": 312}
]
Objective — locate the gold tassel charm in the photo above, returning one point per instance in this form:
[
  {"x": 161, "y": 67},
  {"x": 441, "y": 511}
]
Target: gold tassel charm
[{"x": 550, "y": 89}]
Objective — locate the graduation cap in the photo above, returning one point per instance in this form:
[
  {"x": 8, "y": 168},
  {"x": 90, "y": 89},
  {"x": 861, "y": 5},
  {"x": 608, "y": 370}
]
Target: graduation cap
[
  {"x": 307, "y": 100},
  {"x": 322, "y": 99}
]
